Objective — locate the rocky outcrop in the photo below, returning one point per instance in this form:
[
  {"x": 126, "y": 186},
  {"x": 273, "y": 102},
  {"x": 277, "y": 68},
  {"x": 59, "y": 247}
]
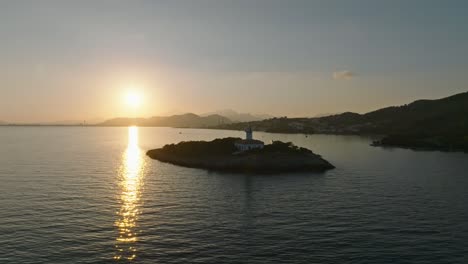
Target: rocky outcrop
[{"x": 271, "y": 159}]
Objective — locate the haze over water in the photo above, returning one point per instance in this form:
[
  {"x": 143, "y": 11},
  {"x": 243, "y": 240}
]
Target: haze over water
[{"x": 90, "y": 195}]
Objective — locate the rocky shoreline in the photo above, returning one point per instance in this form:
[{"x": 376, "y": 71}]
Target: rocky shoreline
[{"x": 423, "y": 143}]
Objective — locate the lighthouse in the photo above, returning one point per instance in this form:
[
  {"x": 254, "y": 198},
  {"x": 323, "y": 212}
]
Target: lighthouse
[
  {"x": 248, "y": 133},
  {"x": 248, "y": 143}
]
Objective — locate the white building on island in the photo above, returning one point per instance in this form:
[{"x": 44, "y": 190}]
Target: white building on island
[{"x": 248, "y": 143}]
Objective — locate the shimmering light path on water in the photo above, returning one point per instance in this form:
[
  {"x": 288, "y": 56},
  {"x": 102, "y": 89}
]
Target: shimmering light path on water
[
  {"x": 90, "y": 195},
  {"x": 131, "y": 174}
]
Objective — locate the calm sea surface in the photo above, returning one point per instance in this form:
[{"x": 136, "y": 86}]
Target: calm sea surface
[{"x": 90, "y": 195}]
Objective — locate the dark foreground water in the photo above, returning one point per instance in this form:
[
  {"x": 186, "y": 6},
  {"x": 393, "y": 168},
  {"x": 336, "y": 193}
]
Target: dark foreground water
[{"x": 90, "y": 195}]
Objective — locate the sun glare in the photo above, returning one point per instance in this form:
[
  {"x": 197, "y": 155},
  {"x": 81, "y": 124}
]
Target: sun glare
[
  {"x": 131, "y": 173},
  {"x": 133, "y": 99}
]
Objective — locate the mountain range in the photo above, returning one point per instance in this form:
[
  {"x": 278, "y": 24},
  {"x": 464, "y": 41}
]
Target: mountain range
[
  {"x": 171, "y": 120},
  {"x": 239, "y": 117},
  {"x": 212, "y": 119},
  {"x": 184, "y": 120}
]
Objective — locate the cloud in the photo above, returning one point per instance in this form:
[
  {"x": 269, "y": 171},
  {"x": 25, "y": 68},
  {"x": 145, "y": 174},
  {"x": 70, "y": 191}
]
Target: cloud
[{"x": 343, "y": 75}]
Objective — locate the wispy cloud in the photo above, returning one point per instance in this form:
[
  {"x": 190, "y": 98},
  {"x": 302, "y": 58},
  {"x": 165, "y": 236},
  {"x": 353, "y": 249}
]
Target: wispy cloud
[{"x": 343, "y": 75}]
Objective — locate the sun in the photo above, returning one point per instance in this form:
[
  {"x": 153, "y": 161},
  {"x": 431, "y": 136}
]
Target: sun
[{"x": 133, "y": 99}]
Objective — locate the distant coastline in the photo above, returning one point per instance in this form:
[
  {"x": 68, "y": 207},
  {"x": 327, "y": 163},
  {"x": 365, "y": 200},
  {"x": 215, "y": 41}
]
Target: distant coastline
[{"x": 440, "y": 124}]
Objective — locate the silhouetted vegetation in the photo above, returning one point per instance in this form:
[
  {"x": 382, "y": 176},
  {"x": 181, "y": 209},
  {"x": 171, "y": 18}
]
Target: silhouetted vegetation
[
  {"x": 282, "y": 147},
  {"x": 194, "y": 148}
]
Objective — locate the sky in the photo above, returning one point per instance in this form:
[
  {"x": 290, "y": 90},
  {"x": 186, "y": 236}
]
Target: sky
[{"x": 76, "y": 60}]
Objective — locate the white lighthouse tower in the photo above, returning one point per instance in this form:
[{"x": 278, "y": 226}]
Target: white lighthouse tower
[
  {"x": 248, "y": 143},
  {"x": 248, "y": 133}
]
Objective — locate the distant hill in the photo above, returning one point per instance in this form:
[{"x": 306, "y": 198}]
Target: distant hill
[
  {"x": 441, "y": 123},
  {"x": 325, "y": 114},
  {"x": 185, "y": 120},
  {"x": 446, "y": 116},
  {"x": 239, "y": 117}
]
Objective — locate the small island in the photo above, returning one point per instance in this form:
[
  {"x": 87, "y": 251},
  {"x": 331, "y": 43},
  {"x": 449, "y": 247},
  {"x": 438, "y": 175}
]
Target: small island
[
  {"x": 241, "y": 155},
  {"x": 425, "y": 142}
]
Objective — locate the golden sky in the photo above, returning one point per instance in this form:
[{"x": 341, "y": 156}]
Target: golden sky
[{"x": 67, "y": 60}]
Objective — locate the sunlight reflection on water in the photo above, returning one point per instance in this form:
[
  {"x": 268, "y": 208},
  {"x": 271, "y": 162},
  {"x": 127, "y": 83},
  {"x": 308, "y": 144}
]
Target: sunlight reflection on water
[{"x": 130, "y": 175}]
